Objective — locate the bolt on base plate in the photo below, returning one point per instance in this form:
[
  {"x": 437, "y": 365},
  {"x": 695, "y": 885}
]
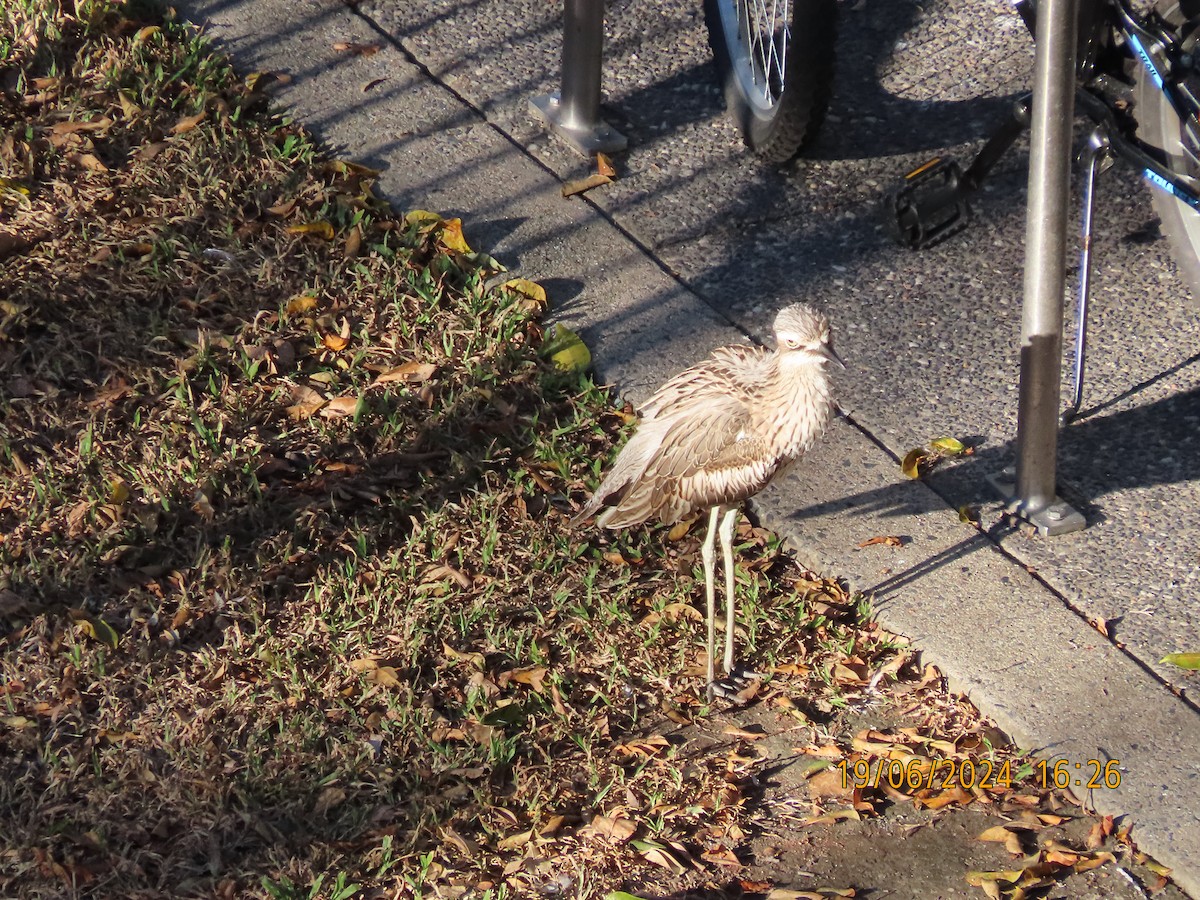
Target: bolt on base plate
[
  {"x": 588, "y": 138},
  {"x": 1057, "y": 517}
]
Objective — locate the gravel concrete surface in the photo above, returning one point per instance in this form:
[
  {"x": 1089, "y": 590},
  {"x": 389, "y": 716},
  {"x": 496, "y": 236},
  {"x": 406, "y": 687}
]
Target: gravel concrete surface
[{"x": 697, "y": 243}]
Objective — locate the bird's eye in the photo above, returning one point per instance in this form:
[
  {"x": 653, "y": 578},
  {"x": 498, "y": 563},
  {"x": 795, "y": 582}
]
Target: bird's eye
[{"x": 791, "y": 343}]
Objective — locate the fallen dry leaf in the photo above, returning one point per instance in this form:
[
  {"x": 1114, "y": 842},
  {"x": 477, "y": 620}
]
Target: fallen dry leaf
[
  {"x": 300, "y": 304},
  {"x": 356, "y": 49},
  {"x": 744, "y": 734},
  {"x": 187, "y": 123},
  {"x": 580, "y": 185},
  {"x": 532, "y": 677},
  {"x": 409, "y": 373},
  {"x": 830, "y": 818},
  {"x": 305, "y": 402},
  {"x": 888, "y": 540},
  {"x": 617, "y": 831}
]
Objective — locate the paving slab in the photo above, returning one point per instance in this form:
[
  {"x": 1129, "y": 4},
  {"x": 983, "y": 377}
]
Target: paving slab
[{"x": 696, "y": 245}]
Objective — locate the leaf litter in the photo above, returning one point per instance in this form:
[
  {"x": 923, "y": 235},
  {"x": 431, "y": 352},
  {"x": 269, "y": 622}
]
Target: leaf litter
[{"x": 287, "y": 592}]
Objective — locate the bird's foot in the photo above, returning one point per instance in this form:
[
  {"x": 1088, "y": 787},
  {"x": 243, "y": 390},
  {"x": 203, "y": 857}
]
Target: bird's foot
[{"x": 738, "y": 687}]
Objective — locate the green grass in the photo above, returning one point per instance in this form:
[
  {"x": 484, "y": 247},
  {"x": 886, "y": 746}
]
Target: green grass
[{"x": 289, "y": 604}]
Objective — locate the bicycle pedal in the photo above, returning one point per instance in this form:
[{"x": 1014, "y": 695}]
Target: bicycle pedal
[{"x": 930, "y": 205}]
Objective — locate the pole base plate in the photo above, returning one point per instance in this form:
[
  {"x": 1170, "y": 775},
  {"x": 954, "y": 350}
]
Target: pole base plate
[
  {"x": 588, "y": 138},
  {"x": 1055, "y": 518}
]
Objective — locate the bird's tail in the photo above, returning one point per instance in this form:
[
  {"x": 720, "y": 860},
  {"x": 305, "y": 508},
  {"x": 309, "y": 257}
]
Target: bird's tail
[{"x": 589, "y": 509}]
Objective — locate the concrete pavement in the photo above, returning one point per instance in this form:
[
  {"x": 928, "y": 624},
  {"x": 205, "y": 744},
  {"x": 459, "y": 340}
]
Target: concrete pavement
[{"x": 697, "y": 244}]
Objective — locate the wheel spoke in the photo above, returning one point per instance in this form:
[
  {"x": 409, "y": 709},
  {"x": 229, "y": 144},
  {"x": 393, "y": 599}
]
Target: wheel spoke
[{"x": 765, "y": 27}]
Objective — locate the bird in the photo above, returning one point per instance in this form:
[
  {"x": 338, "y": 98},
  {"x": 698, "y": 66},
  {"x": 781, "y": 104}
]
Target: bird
[{"x": 715, "y": 435}]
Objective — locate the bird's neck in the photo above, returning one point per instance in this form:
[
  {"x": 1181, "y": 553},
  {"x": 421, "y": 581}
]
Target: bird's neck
[{"x": 806, "y": 406}]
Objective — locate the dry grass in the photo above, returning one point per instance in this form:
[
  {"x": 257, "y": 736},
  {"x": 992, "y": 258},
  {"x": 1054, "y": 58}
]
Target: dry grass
[{"x": 289, "y": 607}]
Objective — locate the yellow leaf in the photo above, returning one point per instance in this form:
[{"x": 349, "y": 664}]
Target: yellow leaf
[
  {"x": 322, "y": 229},
  {"x": 10, "y": 184},
  {"x": 423, "y": 219},
  {"x": 1183, "y": 660},
  {"x": 95, "y": 628},
  {"x": 566, "y": 350},
  {"x": 144, "y": 33},
  {"x": 534, "y": 293},
  {"x": 947, "y": 446},
  {"x": 301, "y": 303},
  {"x": 364, "y": 664},
  {"x": 254, "y": 78},
  {"x": 118, "y": 491},
  {"x": 911, "y": 466},
  {"x": 452, "y": 236},
  {"x": 335, "y": 342},
  {"x": 679, "y": 529},
  {"x": 345, "y": 167}
]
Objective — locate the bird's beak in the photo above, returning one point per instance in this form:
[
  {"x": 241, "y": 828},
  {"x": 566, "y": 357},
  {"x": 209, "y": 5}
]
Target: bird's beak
[{"x": 830, "y": 354}]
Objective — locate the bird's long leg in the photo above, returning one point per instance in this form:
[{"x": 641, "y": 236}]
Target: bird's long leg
[
  {"x": 708, "y": 554},
  {"x": 726, "y": 534}
]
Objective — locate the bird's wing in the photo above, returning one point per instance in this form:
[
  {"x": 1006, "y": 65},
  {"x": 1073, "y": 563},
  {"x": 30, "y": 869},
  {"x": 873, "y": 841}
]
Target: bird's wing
[
  {"x": 693, "y": 446},
  {"x": 726, "y": 373},
  {"x": 696, "y": 446}
]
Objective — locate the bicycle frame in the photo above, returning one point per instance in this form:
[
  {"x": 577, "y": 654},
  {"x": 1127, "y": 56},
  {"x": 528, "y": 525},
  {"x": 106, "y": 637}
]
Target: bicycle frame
[{"x": 1150, "y": 44}]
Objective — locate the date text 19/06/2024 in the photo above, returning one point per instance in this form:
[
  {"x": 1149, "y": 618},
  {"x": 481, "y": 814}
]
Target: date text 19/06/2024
[{"x": 919, "y": 774}]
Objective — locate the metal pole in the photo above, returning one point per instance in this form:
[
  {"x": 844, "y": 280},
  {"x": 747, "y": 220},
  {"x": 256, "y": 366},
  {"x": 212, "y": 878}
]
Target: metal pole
[
  {"x": 574, "y": 113},
  {"x": 1045, "y": 271},
  {"x": 583, "y": 39}
]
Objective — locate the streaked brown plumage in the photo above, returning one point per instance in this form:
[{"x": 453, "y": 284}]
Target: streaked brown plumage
[{"x": 716, "y": 434}]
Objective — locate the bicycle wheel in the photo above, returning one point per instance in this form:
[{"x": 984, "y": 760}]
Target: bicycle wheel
[
  {"x": 776, "y": 60},
  {"x": 1159, "y": 126}
]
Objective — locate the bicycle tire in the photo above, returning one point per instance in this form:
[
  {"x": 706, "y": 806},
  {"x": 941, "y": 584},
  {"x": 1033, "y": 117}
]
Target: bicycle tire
[
  {"x": 778, "y": 105},
  {"x": 1159, "y": 127}
]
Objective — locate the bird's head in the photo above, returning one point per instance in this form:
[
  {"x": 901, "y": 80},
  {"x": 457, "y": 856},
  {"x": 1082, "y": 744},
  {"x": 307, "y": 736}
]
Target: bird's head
[{"x": 802, "y": 334}]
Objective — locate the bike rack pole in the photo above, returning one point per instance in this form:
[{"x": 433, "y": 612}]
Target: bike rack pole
[
  {"x": 574, "y": 112},
  {"x": 1033, "y": 496}
]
